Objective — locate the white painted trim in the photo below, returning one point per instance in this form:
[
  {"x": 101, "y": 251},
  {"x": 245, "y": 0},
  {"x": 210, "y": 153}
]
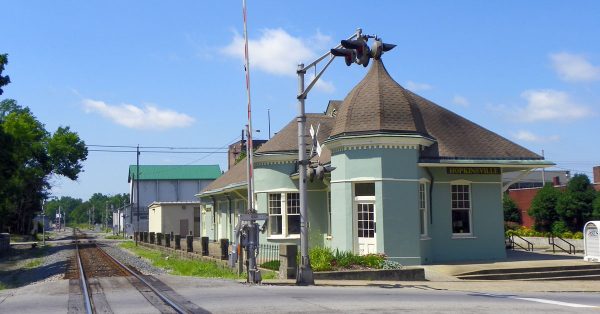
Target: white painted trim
[
  {"x": 424, "y": 180},
  {"x": 468, "y": 182},
  {"x": 494, "y": 163},
  {"x": 371, "y": 179},
  {"x": 425, "y": 238},
  {"x": 397, "y": 141},
  {"x": 461, "y": 182},
  {"x": 281, "y": 190},
  {"x": 457, "y": 236},
  {"x": 277, "y": 237}
]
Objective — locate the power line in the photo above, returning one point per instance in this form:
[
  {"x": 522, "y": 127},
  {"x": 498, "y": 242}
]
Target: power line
[
  {"x": 157, "y": 151},
  {"x": 150, "y": 147}
]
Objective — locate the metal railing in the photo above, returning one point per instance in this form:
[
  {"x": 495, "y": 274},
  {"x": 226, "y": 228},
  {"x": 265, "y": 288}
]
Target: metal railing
[
  {"x": 554, "y": 245},
  {"x": 511, "y": 239},
  {"x": 267, "y": 252}
]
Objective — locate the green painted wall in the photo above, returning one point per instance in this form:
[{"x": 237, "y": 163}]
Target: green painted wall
[{"x": 487, "y": 242}]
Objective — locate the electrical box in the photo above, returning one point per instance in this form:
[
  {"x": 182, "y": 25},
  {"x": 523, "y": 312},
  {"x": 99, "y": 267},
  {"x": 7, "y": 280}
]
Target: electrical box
[{"x": 591, "y": 241}]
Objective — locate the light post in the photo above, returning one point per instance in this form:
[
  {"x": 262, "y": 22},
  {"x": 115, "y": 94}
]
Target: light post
[
  {"x": 43, "y": 225},
  {"x": 354, "y": 50}
]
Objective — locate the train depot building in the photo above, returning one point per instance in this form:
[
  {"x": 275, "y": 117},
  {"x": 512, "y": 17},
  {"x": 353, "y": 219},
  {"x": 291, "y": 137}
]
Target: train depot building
[{"x": 411, "y": 180}]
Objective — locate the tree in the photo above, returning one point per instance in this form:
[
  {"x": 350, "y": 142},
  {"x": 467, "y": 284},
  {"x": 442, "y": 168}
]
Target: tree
[
  {"x": 511, "y": 211},
  {"x": 29, "y": 155},
  {"x": 4, "y": 80},
  {"x": 596, "y": 207},
  {"x": 574, "y": 206},
  {"x": 543, "y": 207}
]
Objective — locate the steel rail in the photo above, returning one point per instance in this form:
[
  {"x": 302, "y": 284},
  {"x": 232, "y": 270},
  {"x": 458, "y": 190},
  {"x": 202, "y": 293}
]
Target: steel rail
[
  {"x": 86, "y": 295},
  {"x": 163, "y": 297}
]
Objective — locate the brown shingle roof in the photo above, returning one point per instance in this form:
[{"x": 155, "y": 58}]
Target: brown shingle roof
[
  {"x": 233, "y": 177},
  {"x": 459, "y": 138},
  {"x": 378, "y": 104},
  {"x": 286, "y": 140}
]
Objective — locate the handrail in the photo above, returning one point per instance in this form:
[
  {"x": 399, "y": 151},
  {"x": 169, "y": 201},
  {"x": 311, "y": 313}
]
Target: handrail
[
  {"x": 554, "y": 245},
  {"x": 511, "y": 238}
]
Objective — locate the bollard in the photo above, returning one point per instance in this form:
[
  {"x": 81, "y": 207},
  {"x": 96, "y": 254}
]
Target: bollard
[
  {"x": 146, "y": 236},
  {"x": 190, "y": 243},
  {"x": 136, "y": 236},
  {"x": 178, "y": 242},
  {"x": 152, "y": 237},
  {"x": 288, "y": 264},
  {"x": 172, "y": 237},
  {"x": 167, "y": 240},
  {"x": 159, "y": 237},
  {"x": 204, "y": 245},
  {"x": 224, "y": 249}
]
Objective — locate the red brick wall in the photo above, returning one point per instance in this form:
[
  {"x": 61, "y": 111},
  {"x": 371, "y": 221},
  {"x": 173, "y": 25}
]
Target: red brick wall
[{"x": 522, "y": 199}]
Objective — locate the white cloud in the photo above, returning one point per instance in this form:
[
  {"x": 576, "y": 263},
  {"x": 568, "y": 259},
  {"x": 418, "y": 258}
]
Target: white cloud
[
  {"x": 276, "y": 51},
  {"x": 131, "y": 116},
  {"x": 460, "y": 100},
  {"x": 574, "y": 68},
  {"x": 415, "y": 87},
  {"x": 543, "y": 105},
  {"x": 322, "y": 85},
  {"x": 530, "y": 137}
]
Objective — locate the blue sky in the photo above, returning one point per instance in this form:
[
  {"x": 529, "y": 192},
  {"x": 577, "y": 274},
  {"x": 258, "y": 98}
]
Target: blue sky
[{"x": 158, "y": 73}]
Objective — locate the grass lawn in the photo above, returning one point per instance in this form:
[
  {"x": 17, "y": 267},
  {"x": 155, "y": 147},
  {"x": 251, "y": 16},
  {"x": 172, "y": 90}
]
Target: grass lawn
[
  {"x": 114, "y": 237},
  {"x": 33, "y": 263},
  {"x": 185, "y": 267}
]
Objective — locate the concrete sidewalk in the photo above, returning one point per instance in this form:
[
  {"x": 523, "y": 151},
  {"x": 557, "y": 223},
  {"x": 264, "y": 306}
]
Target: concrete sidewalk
[{"x": 442, "y": 277}]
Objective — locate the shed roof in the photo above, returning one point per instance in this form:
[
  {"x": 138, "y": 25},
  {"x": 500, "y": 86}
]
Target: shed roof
[{"x": 175, "y": 172}]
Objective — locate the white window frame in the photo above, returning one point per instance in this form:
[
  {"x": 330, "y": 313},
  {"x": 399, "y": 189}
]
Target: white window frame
[
  {"x": 423, "y": 211},
  {"x": 371, "y": 199},
  {"x": 284, "y": 216},
  {"x": 469, "y": 209}
]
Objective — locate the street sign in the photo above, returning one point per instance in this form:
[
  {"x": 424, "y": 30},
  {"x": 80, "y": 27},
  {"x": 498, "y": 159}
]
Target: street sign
[{"x": 250, "y": 217}]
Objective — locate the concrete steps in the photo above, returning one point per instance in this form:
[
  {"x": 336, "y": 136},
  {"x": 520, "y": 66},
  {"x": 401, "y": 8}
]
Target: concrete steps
[{"x": 575, "y": 272}]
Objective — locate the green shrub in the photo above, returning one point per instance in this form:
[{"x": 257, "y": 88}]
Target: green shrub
[
  {"x": 321, "y": 258},
  {"x": 272, "y": 265},
  {"x": 559, "y": 227},
  {"x": 372, "y": 260},
  {"x": 578, "y": 235}
]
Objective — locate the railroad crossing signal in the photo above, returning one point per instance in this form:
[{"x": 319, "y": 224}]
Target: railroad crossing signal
[{"x": 358, "y": 51}]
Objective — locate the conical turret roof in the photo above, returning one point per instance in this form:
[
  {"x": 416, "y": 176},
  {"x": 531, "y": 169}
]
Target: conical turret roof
[{"x": 378, "y": 105}]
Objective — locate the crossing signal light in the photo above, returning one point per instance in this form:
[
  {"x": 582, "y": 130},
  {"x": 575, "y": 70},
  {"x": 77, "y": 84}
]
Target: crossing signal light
[
  {"x": 348, "y": 54},
  {"x": 358, "y": 51},
  {"x": 363, "y": 53},
  {"x": 318, "y": 172}
]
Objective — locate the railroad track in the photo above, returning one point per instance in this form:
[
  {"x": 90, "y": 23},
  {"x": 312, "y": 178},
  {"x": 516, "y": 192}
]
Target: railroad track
[{"x": 92, "y": 268}]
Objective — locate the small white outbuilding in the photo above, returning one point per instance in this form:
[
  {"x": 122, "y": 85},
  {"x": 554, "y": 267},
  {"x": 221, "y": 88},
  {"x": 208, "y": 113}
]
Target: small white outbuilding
[
  {"x": 176, "y": 217},
  {"x": 591, "y": 241}
]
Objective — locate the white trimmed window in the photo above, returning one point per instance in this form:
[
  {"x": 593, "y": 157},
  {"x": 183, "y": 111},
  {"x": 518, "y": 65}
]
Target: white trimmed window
[
  {"x": 284, "y": 214},
  {"x": 461, "y": 209},
  {"x": 423, "y": 209}
]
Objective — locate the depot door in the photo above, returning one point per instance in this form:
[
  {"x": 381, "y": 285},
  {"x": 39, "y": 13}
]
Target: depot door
[{"x": 365, "y": 227}]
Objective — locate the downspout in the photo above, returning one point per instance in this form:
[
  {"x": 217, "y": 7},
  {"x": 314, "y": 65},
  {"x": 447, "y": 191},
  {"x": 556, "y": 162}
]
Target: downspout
[
  {"x": 214, "y": 215},
  {"x": 430, "y": 195}
]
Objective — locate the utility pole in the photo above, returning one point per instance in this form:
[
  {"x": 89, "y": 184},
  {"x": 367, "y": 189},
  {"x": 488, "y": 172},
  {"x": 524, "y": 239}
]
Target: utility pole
[
  {"x": 43, "y": 225},
  {"x": 269, "y": 119},
  {"x": 137, "y": 197},
  {"x": 543, "y": 172},
  {"x": 106, "y": 216}
]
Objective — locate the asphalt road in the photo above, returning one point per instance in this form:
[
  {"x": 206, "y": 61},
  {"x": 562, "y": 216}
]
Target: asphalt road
[{"x": 221, "y": 296}]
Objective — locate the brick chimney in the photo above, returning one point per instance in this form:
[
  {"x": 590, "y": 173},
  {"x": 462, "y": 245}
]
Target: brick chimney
[{"x": 597, "y": 174}]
